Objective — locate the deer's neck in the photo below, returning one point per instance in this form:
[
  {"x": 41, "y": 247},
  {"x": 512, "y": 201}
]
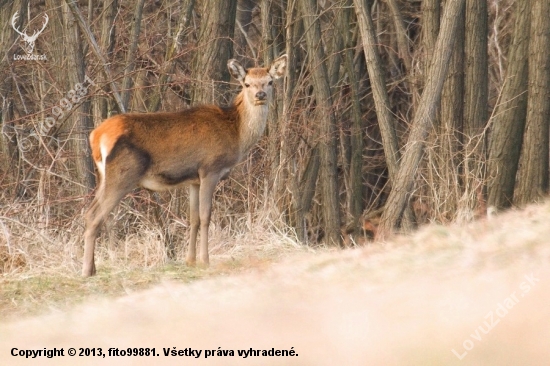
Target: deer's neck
[{"x": 251, "y": 121}]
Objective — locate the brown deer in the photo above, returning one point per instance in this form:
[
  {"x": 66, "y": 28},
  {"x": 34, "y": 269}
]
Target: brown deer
[{"x": 159, "y": 151}]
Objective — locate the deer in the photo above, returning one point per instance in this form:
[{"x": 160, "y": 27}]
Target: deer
[
  {"x": 29, "y": 40},
  {"x": 197, "y": 147}
]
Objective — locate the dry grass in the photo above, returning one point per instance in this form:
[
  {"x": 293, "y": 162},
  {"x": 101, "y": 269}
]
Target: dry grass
[
  {"x": 409, "y": 301},
  {"x": 40, "y": 269}
]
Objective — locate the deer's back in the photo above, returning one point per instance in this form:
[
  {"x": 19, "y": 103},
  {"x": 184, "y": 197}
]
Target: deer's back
[{"x": 180, "y": 145}]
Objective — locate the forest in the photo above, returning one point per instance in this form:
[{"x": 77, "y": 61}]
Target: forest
[{"x": 393, "y": 114}]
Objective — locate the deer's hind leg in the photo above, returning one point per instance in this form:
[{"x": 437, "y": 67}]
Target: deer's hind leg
[{"x": 124, "y": 168}]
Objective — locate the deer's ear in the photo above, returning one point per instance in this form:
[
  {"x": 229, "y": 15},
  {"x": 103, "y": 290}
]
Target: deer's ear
[
  {"x": 236, "y": 70},
  {"x": 278, "y": 67}
]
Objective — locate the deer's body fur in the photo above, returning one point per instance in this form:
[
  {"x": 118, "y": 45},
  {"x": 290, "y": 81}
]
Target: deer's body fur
[{"x": 159, "y": 151}]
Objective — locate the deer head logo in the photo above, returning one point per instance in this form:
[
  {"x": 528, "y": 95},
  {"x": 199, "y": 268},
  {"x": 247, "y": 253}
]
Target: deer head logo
[{"x": 29, "y": 40}]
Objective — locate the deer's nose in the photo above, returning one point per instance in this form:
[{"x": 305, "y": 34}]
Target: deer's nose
[{"x": 261, "y": 95}]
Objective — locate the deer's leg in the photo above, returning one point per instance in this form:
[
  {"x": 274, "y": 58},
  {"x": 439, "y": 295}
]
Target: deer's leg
[
  {"x": 208, "y": 185},
  {"x": 123, "y": 174},
  {"x": 92, "y": 230},
  {"x": 93, "y": 223},
  {"x": 103, "y": 206},
  {"x": 194, "y": 218}
]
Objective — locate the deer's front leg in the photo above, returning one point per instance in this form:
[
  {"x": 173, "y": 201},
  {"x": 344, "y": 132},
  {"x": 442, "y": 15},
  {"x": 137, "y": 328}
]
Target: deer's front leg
[
  {"x": 208, "y": 185},
  {"x": 194, "y": 218}
]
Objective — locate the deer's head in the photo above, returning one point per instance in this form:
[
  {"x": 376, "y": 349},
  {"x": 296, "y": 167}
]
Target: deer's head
[{"x": 257, "y": 82}]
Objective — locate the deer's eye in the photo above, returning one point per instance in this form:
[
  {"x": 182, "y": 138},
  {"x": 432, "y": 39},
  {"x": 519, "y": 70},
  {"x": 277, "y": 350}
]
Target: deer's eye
[
  {"x": 247, "y": 85},
  {"x": 270, "y": 82}
]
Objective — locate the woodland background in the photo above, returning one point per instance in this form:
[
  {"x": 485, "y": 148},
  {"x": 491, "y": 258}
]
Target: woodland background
[{"x": 401, "y": 111}]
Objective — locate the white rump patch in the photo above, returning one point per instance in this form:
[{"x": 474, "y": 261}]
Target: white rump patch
[{"x": 104, "y": 152}]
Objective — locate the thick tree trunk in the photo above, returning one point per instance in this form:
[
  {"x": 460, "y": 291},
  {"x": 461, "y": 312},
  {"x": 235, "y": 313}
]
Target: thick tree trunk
[
  {"x": 327, "y": 122},
  {"x": 9, "y": 151},
  {"x": 215, "y": 47},
  {"x": 509, "y": 120},
  {"x": 403, "y": 185},
  {"x": 533, "y": 167}
]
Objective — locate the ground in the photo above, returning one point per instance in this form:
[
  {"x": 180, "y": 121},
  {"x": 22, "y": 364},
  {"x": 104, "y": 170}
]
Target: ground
[{"x": 476, "y": 294}]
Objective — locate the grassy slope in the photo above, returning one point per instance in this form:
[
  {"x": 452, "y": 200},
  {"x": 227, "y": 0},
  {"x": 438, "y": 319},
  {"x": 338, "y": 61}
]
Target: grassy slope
[{"x": 409, "y": 301}]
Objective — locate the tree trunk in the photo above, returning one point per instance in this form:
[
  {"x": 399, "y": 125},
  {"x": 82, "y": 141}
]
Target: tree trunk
[
  {"x": 128, "y": 81},
  {"x": 355, "y": 196},
  {"x": 386, "y": 121},
  {"x": 103, "y": 106},
  {"x": 476, "y": 99},
  {"x": 186, "y": 12},
  {"x": 327, "y": 122},
  {"x": 270, "y": 52},
  {"x": 9, "y": 151},
  {"x": 402, "y": 35},
  {"x": 509, "y": 120},
  {"x": 79, "y": 132},
  {"x": 403, "y": 185},
  {"x": 302, "y": 188},
  {"x": 431, "y": 14},
  {"x": 99, "y": 54},
  {"x": 244, "y": 20},
  {"x": 449, "y": 133},
  {"x": 215, "y": 49},
  {"x": 533, "y": 167}
]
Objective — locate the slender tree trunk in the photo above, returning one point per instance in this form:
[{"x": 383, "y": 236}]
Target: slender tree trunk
[
  {"x": 355, "y": 196},
  {"x": 533, "y": 167},
  {"x": 270, "y": 52},
  {"x": 79, "y": 132},
  {"x": 402, "y": 35},
  {"x": 341, "y": 36},
  {"x": 244, "y": 20},
  {"x": 431, "y": 14},
  {"x": 476, "y": 98},
  {"x": 453, "y": 91},
  {"x": 327, "y": 122},
  {"x": 302, "y": 188},
  {"x": 509, "y": 120},
  {"x": 450, "y": 130},
  {"x": 104, "y": 106},
  {"x": 403, "y": 185},
  {"x": 386, "y": 120},
  {"x": 186, "y": 12},
  {"x": 128, "y": 81},
  {"x": 97, "y": 51}
]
